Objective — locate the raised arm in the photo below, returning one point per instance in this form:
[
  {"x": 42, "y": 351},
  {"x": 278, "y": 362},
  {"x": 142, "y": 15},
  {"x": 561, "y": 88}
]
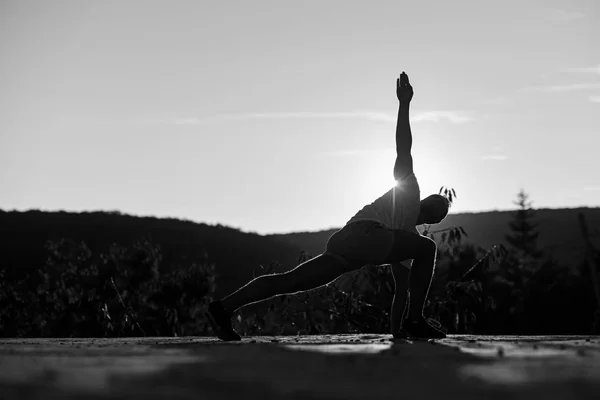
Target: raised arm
[{"x": 404, "y": 163}]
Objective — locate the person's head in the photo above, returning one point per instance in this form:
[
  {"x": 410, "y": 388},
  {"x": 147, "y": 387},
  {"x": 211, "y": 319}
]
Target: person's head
[{"x": 434, "y": 209}]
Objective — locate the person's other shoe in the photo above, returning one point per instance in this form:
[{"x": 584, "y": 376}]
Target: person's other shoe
[{"x": 221, "y": 322}]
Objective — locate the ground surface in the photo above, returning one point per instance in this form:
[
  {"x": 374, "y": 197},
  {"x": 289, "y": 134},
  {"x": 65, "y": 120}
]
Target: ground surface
[{"x": 303, "y": 367}]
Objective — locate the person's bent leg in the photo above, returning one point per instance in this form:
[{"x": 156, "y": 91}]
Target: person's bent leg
[
  {"x": 419, "y": 280},
  {"x": 423, "y": 252},
  {"x": 311, "y": 274}
]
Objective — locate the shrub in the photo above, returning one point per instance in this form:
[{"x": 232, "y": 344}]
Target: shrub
[{"x": 122, "y": 292}]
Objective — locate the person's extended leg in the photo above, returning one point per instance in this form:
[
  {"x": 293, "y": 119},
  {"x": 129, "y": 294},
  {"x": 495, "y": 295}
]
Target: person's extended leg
[
  {"x": 348, "y": 249},
  {"x": 311, "y": 274}
]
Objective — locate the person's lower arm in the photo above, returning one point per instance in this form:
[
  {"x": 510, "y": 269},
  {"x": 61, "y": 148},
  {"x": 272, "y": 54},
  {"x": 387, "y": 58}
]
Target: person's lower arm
[
  {"x": 404, "y": 92},
  {"x": 403, "y": 131}
]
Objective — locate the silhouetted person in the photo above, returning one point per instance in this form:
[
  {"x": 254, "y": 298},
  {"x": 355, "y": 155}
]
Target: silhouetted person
[{"x": 383, "y": 232}]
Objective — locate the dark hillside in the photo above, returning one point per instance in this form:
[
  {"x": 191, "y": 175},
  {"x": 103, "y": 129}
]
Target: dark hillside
[
  {"x": 236, "y": 254},
  {"x": 70, "y": 293}
]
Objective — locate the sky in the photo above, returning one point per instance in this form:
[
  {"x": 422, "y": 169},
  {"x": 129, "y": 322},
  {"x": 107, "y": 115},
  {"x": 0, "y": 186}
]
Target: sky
[{"x": 279, "y": 116}]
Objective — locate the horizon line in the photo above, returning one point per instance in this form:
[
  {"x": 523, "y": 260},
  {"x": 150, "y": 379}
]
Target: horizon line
[{"x": 245, "y": 230}]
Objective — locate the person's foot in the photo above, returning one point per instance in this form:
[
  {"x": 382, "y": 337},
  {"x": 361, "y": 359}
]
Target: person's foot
[
  {"x": 401, "y": 334},
  {"x": 422, "y": 328},
  {"x": 221, "y": 322}
]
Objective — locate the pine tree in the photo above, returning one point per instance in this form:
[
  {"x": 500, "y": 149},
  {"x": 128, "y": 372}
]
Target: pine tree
[
  {"x": 521, "y": 265},
  {"x": 523, "y": 235}
]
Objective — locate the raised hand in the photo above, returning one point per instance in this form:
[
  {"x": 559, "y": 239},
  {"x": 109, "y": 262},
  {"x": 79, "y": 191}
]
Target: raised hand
[{"x": 404, "y": 90}]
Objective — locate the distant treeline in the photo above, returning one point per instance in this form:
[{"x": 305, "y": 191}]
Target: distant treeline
[{"x": 107, "y": 274}]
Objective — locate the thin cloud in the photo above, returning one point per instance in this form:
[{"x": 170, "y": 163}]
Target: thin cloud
[
  {"x": 562, "y": 88},
  {"x": 431, "y": 116},
  {"x": 365, "y": 115},
  {"x": 456, "y": 117},
  {"x": 594, "y": 99},
  {"x": 558, "y": 15},
  {"x": 585, "y": 70},
  {"x": 493, "y": 157},
  {"x": 592, "y": 188},
  {"x": 357, "y": 152}
]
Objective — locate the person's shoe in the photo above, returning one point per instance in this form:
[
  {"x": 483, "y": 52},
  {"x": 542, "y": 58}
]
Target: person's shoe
[
  {"x": 423, "y": 329},
  {"x": 401, "y": 334},
  {"x": 221, "y": 322}
]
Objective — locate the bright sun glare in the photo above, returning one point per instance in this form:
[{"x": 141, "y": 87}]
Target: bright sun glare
[{"x": 381, "y": 185}]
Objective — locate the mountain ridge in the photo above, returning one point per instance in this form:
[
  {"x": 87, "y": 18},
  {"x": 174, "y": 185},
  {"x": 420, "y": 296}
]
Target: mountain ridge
[{"x": 238, "y": 254}]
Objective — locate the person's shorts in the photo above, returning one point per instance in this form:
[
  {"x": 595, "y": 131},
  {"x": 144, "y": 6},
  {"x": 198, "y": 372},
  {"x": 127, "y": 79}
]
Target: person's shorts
[{"x": 361, "y": 243}]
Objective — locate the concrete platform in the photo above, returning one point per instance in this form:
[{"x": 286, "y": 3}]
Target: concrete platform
[{"x": 302, "y": 367}]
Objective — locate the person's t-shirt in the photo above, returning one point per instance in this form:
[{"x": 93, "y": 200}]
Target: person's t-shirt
[{"x": 398, "y": 208}]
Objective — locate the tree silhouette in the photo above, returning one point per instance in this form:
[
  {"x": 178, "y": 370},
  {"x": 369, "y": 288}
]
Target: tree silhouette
[{"x": 523, "y": 235}]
